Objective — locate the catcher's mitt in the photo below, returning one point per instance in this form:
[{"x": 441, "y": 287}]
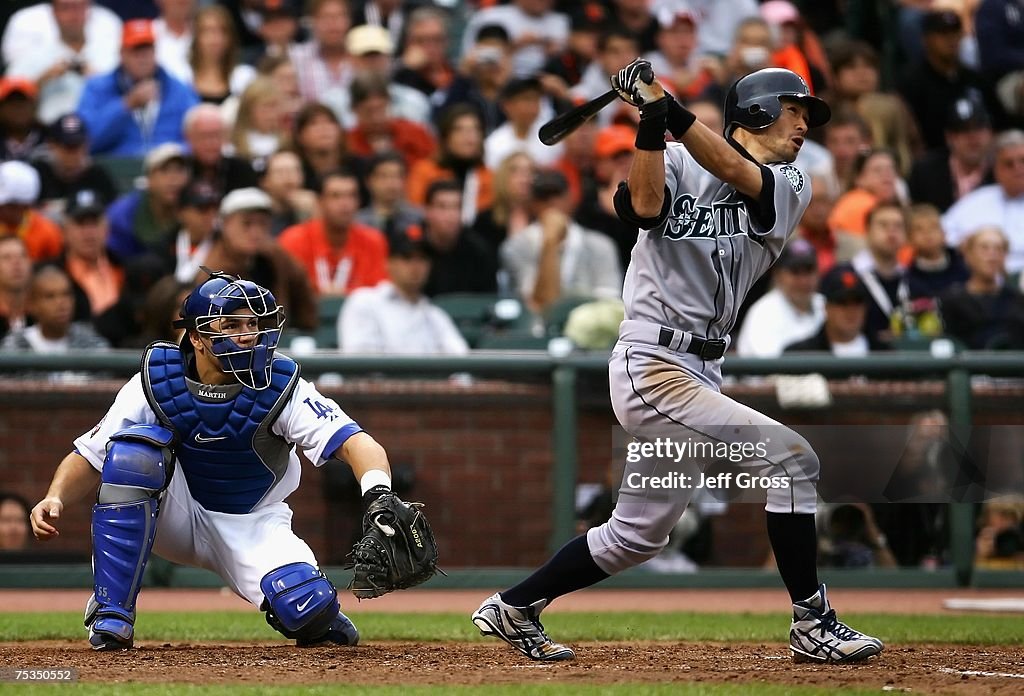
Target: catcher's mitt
[{"x": 397, "y": 550}]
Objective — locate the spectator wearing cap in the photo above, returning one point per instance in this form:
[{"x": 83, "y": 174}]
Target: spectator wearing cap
[
  {"x": 212, "y": 62},
  {"x": 613, "y": 152},
  {"x": 58, "y": 45},
  {"x": 276, "y": 24},
  {"x": 555, "y": 257},
  {"x": 186, "y": 248},
  {"x": 370, "y": 49},
  {"x": 174, "y": 36},
  {"x": 55, "y": 329},
  {"x": 377, "y": 130},
  {"x": 322, "y": 63},
  {"x": 985, "y": 313},
  {"x": 67, "y": 167},
  {"x": 138, "y": 105},
  {"x": 243, "y": 246},
  {"x": 587, "y": 21},
  {"x": 15, "y": 275},
  {"x": 1000, "y": 204},
  {"x": 395, "y": 317},
  {"x": 791, "y": 311},
  {"x": 424, "y": 63},
  {"x": 483, "y": 72},
  {"x": 945, "y": 175},
  {"x": 96, "y": 275},
  {"x": 387, "y": 14},
  {"x": 388, "y": 210},
  {"x": 675, "y": 60},
  {"x": 521, "y": 102},
  {"x": 281, "y": 179},
  {"x": 19, "y": 193},
  {"x": 878, "y": 266},
  {"x": 460, "y": 156},
  {"x": 935, "y": 266},
  {"x": 338, "y": 253},
  {"x": 21, "y": 133},
  {"x": 206, "y": 135},
  {"x": 932, "y": 85},
  {"x": 842, "y": 331},
  {"x": 461, "y": 260},
  {"x": 537, "y": 32},
  {"x": 140, "y": 220}
]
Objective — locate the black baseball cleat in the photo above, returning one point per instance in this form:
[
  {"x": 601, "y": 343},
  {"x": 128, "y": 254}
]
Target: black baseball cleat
[{"x": 816, "y": 635}]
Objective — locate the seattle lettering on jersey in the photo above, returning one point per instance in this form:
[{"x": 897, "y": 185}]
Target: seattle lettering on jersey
[{"x": 687, "y": 220}]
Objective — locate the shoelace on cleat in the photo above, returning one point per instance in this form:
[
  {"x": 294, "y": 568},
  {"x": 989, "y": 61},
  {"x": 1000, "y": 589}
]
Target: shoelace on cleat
[{"x": 830, "y": 623}]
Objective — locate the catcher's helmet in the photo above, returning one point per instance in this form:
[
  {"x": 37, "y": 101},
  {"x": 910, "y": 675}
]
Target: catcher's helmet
[
  {"x": 221, "y": 297},
  {"x": 754, "y": 101}
]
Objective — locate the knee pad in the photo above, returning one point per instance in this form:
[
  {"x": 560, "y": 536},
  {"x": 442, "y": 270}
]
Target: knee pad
[
  {"x": 299, "y": 601},
  {"x": 138, "y": 464}
]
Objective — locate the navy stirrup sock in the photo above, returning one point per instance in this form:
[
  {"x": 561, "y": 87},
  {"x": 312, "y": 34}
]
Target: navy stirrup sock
[
  {"x": 570, "y": 569},
  {"x": 795, "y": 543}
]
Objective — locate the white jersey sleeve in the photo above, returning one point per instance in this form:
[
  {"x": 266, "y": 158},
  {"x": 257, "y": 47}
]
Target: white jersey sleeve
[
  {"x": 129, "y": 408},
  {"x": 315, "y": 423}
]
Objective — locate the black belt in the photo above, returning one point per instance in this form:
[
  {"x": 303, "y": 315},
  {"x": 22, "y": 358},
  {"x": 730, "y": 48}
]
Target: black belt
[{"x": 706, "y": 348}]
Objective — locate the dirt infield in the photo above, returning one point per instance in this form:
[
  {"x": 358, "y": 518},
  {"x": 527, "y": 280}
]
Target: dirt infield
[{"x": 921, "y": 669}]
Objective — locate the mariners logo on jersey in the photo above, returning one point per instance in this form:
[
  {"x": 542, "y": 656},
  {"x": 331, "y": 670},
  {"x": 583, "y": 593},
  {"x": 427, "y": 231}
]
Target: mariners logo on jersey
[
  {"x": 794, "y": 176},
  {"x": 688, "y": 220}
]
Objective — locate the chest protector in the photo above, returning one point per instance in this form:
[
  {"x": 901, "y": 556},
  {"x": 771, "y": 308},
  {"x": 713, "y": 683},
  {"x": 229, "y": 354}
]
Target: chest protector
[{"x": 228, "y": 454}]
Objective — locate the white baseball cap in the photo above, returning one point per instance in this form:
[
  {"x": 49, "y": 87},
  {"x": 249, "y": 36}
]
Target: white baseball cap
[
  {"x": 161, "y": 155},
  {"x": 245, "y": 199},
  {"x": 19, "y": 183},
  {"x": 368, "y": 38}
]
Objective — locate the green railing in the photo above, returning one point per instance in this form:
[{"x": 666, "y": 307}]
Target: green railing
[{"x": 956, "y": 370}]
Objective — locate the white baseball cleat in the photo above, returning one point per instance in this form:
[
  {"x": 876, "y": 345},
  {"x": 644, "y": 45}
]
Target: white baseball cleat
[
  {"x": 816, "y": 635},
  {"x": 520, "y": 627}
]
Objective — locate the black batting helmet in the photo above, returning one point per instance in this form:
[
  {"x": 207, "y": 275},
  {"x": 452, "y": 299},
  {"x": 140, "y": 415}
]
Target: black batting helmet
[{"x": 754, "y": 101}]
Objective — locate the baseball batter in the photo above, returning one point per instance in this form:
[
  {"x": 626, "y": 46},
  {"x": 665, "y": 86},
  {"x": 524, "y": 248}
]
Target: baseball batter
[
  {"x": 714, "y": 214},
  {"x": 194, "y": 460}
]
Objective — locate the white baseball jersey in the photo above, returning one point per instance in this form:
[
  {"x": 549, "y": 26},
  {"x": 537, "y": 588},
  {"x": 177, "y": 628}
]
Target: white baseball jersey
[{"x": 241, "y": 548}]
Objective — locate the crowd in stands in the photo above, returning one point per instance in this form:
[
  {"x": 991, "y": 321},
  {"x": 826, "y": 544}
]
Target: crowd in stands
[{"x": 376, "y": 164}]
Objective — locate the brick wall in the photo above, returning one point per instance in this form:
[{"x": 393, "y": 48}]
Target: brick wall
[{"x": 481, "y": 456}]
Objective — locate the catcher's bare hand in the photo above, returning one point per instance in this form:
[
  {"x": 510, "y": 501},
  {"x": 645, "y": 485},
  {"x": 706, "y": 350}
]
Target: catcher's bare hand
[
  {"x": 45, "y": 511},
  {"x": 636, "y": 84}
]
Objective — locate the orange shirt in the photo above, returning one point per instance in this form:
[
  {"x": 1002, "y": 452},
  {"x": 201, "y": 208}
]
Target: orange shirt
[
  {"x": 850, "y": 213},
  {"x": 408, "y": 138},
  {"x": 101, "y": 282},
  {"x": 360, "y": 262},
  {"x": 426, "y": 171},
  {"x": 43, "y": 238}
]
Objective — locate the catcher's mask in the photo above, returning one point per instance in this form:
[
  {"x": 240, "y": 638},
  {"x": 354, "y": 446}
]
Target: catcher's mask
[{"x": 213, "y": 311}]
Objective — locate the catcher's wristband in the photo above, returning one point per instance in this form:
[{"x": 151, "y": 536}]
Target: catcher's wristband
[{"x": 679, "y": 118}]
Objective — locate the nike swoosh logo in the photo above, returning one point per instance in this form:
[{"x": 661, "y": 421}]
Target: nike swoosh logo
[
  {"x": 305, "y": 604},
  {"x": 200, "y": 438}
]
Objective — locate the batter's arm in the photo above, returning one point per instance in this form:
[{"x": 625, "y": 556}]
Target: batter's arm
[
  {"x": 716, "y": 155},
  {"x": 647, "y": 182}
]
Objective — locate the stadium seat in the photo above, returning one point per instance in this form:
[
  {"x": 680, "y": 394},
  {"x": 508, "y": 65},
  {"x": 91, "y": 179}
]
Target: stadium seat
[
  {"x": 499, "y": 339},
  {"x": 557, "y": 314},
  {"x": 471, "y": 312},
  {"x": 125, "y": 171},
  {"x": 326, "y": 334}
]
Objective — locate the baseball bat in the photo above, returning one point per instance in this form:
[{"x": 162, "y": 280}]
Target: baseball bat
[{"x": 555, "y": 130}]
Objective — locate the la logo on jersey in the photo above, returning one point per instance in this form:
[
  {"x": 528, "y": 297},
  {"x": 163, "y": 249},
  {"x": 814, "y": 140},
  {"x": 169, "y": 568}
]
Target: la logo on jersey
[{"x": 691, "y": 221}]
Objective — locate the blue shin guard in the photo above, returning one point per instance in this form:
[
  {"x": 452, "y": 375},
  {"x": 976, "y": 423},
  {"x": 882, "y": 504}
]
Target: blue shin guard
[
  {"x": 136, "y": 470},
  {"x": 301, "y": 603}
]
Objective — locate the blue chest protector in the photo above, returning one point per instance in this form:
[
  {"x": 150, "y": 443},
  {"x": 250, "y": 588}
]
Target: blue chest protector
[{"x": 227, "y": 452}]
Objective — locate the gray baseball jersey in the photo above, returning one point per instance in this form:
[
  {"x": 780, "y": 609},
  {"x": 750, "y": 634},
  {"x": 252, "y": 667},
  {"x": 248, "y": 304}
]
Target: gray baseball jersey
[
  {"x": 693, "y": 271},
  {"x": 688, "y": 277}
]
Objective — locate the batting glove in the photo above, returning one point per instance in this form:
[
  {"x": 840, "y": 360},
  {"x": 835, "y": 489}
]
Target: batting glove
[{"x": 635, "y": 84}]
